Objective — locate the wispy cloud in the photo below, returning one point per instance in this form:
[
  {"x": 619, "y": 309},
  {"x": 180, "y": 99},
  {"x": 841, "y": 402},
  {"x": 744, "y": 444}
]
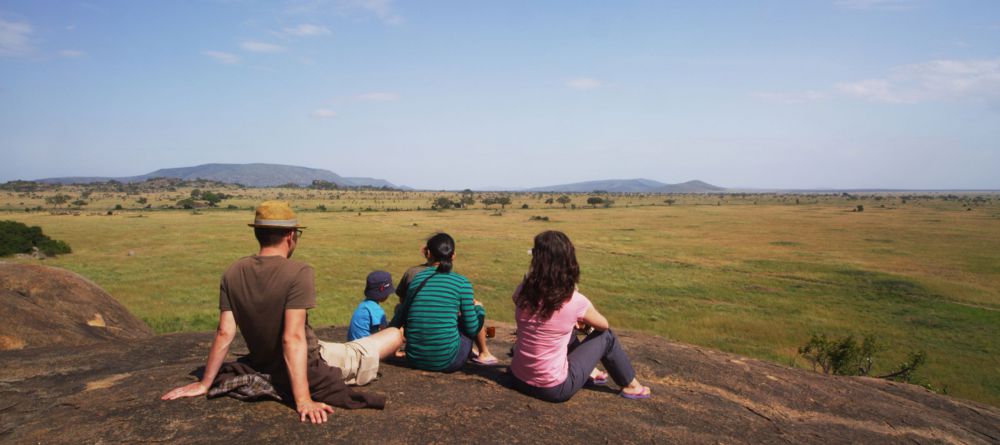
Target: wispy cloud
[
  {"x": 584, "y": 83},
  {"x": 261, "y": 47},
  {"x": 15, "y": 38},
  {"x": 382, "y": 9},
  {"x": 323, "y": 113},
  {"x": 878, "y": 90},
  {"x": 307, "y": 30},
  {"x": 883, "y": 5},
  {"x": 934, "y": 81},
  {"x": 222, "y": 57},
  {"x": 72, "y": 53},
  {"x": 937, "y": 80},
  {"x": 378, "y": 96}
]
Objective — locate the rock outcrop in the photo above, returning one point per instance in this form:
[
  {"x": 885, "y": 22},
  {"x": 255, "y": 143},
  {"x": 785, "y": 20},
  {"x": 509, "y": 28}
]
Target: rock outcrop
[
  {"x": 108, "y": 392},
  {"x": 45, "y": 306}
]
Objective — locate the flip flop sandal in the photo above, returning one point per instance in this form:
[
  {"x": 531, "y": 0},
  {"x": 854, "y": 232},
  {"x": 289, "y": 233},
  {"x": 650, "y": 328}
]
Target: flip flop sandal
[
  {"x": 491, "y": 361},
  {"x": 598, "y": 381},
  {"x": 645, "y": 394}
]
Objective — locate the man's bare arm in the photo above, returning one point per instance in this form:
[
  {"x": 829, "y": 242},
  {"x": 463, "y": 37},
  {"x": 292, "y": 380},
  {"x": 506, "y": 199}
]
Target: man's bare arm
[
  {"x": 296, "y": 356},
  {"x": 224, "y": 336}
]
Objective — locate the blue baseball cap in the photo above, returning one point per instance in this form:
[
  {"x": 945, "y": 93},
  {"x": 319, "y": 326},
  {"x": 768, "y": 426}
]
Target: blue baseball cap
[{"x": 379, "y": 286}]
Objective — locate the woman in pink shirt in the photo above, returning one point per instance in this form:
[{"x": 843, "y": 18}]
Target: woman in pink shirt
[{"x": 548, "y": 309}]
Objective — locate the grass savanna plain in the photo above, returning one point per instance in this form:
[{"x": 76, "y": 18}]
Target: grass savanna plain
[{"x": 754, "y": 274}]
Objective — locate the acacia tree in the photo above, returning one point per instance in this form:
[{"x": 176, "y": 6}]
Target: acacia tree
[
  {"x": 57, "y": 200},
  {"x": 594, "y": 201},
  {"x": 503, "y": 201},
  {"x": 442, "y": 203},
  {"x": 564, "y": 199}
]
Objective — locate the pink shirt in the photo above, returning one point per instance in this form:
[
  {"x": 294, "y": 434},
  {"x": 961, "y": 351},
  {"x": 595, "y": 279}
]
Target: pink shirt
[{"x": 540, "y": 351}]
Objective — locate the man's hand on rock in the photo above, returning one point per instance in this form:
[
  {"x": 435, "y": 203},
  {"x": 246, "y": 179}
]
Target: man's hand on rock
[
  {"x": 314, "y": 411},
  {"x": 192, "y": 390}
]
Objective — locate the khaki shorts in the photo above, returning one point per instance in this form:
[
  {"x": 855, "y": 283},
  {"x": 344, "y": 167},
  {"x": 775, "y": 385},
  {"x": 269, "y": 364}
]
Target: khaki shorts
[{"x": 358, "y": 359}]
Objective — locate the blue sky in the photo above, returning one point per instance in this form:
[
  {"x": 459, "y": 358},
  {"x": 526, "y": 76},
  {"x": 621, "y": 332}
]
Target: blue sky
[{"x": 456, "y": 94}]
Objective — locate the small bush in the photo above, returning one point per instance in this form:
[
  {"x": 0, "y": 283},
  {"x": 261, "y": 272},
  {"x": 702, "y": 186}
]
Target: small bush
[
  {"x": 539, "y": 218},
  {"x": 17, "y": 237},
  {"x": 845, "y": 356}
]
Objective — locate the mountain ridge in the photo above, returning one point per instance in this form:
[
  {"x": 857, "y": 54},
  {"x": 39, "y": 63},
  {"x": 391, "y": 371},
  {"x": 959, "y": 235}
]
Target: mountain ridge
[
  {"x": 251, "y": 175},
  {"x": 638, "y": 185}
]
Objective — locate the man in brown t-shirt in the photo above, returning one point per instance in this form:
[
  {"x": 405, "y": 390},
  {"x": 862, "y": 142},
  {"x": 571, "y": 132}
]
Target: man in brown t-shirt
[{"x": 267, "y": 296}]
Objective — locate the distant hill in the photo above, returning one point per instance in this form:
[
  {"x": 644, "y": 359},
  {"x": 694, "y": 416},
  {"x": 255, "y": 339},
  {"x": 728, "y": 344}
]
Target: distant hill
[
  {"x": 375, "y": 183},
  {"x": 251, "y": 175},
  {"x": 631, "y": 186}
]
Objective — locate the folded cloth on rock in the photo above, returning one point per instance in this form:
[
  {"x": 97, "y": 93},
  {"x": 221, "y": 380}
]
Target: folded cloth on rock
[
  {"x": 247, "y": 387},
  {"x": 241, "y": 381}
]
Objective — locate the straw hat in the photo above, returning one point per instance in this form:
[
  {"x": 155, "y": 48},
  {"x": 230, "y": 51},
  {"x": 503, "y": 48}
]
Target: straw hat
[{"x": 276, "y": 215}]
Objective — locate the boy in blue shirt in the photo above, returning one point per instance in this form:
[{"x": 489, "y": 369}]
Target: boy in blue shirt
[{"x": 369, "y": 317}]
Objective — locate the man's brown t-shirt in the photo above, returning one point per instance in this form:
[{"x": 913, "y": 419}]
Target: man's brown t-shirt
[{"x": 258, "y": 290}]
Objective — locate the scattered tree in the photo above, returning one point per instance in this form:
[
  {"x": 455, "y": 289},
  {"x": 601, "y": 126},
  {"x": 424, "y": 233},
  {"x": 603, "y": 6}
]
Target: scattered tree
[
  {"x": 57, "y": 200},
  {"x": 442, "y": 203},
  {"x": 503, "y": 201},
  {"x": 845, "y": 356},
  {"x": 564, "y": 199}
]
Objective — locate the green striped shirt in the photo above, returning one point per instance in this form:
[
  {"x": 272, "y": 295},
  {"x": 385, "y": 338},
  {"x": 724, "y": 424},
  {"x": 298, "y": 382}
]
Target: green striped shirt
[{"x": 435, "y": 316}]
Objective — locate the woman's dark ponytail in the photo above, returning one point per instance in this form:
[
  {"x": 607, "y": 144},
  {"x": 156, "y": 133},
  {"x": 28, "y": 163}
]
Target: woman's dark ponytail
[{"x": 441, "y": 247}]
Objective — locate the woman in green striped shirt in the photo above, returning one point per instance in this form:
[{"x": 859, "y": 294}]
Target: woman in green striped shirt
[{"x": 439, "y": 313}]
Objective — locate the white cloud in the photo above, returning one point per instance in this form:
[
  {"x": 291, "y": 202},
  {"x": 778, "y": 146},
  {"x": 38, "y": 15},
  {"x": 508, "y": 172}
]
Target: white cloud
[
  {"x": 382, "y": 9},
  {"x": 307, "y": 30},
  {"x": 884, "y": 5},
  {"x": 324, "y": 113},
  {"x": 261, "y": 47},
  {"x": 72, "y": 53},
  {"x": 222, "y": 57},
  {"x": 584, "y": 83},
  {"x": 378, "y": 96},
  {"x": 933, "y": 81},
  {"x": 14, "y": 38},
  {"x": 879, "y": 90},
  {"x": 937, "y": 80}
]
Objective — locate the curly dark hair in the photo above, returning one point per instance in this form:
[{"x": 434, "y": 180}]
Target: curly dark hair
[{"x": 552, "y": 277}]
